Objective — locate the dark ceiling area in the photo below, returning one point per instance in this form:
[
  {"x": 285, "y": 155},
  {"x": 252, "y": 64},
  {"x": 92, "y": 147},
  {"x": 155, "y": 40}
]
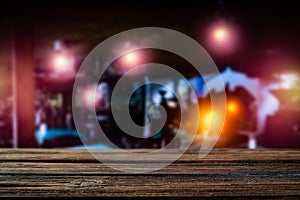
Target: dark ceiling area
[{"x": 269, "y": 30}]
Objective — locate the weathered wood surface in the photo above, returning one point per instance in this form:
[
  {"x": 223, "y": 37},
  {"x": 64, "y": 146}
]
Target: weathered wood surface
[{"x": 222, "y": 173}]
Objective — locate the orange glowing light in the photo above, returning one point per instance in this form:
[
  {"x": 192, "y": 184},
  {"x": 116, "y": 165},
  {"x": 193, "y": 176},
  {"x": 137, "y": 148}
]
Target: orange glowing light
[
  {"x": 232, "y": 107},
  {"x": 207, "y": 120},
  {"x": 210, "y": 122}
]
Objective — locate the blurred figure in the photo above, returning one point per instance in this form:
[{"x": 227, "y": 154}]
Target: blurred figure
[
  {"x": 167, "y": 132},
  {"x": 69, "y": 119}
]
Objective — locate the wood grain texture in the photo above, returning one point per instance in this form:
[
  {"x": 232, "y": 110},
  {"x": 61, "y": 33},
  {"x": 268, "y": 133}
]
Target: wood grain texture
[{"x": 223, "y": 173}]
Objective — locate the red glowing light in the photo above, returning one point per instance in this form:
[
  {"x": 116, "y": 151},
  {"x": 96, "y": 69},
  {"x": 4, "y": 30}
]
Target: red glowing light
[
  {"x": 89, "y": 97},
  {"x": 62, "y": 63},
  {"x": 221, "y": 34},
  {"x": 223, "y": 38},
  {"x": 131, "y": 59}
]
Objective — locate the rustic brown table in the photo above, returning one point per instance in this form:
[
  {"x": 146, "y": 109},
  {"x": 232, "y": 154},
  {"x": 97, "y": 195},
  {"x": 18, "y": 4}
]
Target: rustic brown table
[{"x": 223, "y": 173}]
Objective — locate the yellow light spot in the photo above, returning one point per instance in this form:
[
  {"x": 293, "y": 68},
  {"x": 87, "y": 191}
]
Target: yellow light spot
[
  {"x": 207, "y": 120},
  {"x": 231, "y": 107}
]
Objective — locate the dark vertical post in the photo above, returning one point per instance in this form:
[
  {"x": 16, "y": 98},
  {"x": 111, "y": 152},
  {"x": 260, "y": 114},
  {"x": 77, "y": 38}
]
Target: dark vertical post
[{"x": 24, "y": 85}]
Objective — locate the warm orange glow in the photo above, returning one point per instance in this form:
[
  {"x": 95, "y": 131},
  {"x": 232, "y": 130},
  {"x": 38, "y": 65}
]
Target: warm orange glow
[
  {"x": 207, "y": 120},
  {"x": 210, "y": 123},
  {"x": 232, "y": 107}
]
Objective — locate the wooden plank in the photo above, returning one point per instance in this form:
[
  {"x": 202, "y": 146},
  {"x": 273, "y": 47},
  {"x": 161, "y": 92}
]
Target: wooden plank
[
  {"x": 201, "y": 168},
  {"x": 223, "y": 173},
  {"x": 168, "y": 185},
  {"x": 57, "y": 155}
]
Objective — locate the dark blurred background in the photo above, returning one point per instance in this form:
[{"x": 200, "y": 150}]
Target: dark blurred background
[{"x": 255, "y": 45}]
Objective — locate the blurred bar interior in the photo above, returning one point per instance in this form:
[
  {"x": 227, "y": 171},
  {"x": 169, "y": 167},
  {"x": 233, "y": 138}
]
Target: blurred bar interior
[{"x": 255, "y": 45}]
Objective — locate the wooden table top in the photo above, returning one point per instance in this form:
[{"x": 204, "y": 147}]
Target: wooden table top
[{"x": 222, "y": 173}]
